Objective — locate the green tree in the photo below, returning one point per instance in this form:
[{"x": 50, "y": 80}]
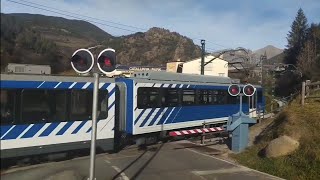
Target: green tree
[{"x": 296, "y": 38}]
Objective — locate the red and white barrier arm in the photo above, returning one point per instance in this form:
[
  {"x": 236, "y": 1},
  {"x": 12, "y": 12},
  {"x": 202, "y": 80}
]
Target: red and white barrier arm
[{"x": 196, "y": 131}]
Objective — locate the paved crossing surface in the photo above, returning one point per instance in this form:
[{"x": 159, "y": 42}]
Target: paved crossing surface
[{"x": 174, "y": 160}]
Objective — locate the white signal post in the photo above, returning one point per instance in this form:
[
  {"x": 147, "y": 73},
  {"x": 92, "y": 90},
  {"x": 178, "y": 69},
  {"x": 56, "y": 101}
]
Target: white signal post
[
  {"x": 94, "y": 126},
  {"x": 87, "y": 53}
]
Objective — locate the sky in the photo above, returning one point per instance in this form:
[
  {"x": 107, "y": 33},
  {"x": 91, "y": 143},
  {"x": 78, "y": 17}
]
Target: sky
[{"x": 223, "y": 24}]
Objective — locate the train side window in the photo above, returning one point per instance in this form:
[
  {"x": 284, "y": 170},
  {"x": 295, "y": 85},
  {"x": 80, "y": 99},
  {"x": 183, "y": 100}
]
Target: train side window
[
  {"x": 142, "y": 98},
  {"x": 103, "y": 104},
  {"x": 148, "y": 97},
  {"x": 153, "y": 97},
  {"x": 81, "y": 105},
  {"x": 234, "y": 99},
  {"x": 43, "y": 106},
  {"x": 58, "y": 105},
  {"x": 171, "y": 97},
  {"x": 188, "y": 97},
  {"x": 204, "y": 97},
  {"x": 219, "y": 96},
  {"x": 7, "y": 107}
]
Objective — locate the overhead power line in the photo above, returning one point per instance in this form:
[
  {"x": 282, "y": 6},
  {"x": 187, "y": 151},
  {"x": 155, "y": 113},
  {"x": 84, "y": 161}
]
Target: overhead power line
[
  {"x": 95, "y": 20},
  {"x": 64, "y": 14},
  {"x": 112, "y": 22}
]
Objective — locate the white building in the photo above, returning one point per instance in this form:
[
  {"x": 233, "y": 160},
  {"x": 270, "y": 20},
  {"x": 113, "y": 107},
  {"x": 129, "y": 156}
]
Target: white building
[
  {"x": 217, "y": 67},
  {"x": 28, "y": 68}
]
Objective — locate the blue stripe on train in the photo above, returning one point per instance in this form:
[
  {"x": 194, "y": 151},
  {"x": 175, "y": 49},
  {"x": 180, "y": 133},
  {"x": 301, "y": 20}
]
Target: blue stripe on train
[
  {"x": 173, "y": 115},
  {"x": 165, "y": 115},
  {"x": 49, "y": 129},
  {"x": 111, "y": 105},
  {"x": 78, "y": 85},
  {"x": 33, "y": 130},
  {"x": 112, "y": 92},
  {"x": 64, "y": 85},
  {"x": 15, "y": 132},
  {"x": 139, "y": 116},
  {"x": 65, "y": 128},
  {"x": 4, "y": 129},
  {"x": 147, "y": 118},
  {"x": 20, "y": 84},
  {"x": 105, "y": 86},
  {"x": 79, "y": 127},
  {"x": 156, "y": 117},
  {"x": 91, "y": 126},
  {"x": 48, "y": 85}
]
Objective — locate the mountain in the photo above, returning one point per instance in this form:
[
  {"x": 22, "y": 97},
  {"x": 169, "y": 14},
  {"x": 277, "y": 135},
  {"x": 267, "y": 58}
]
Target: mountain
[
  {"x": 270, "y": 50},
  {"x": 39, "y": 39},
  {"x": 155, "y": 47},
  {"x": 276, "y": 59}
]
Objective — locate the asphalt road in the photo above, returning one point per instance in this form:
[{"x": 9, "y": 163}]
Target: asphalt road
[{"x": 174, "y": 160}]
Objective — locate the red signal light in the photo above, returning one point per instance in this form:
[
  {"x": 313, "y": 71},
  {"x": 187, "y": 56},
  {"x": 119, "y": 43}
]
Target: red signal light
[
  {"x": 249, "y": 90},
  {"x": 234, "y": 90},
  {"x": 82, "y": 61},
  {"x": 107, "y": 62}
]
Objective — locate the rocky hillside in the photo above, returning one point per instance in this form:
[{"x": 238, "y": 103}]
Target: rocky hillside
[
  {"x": 38, "y": 39},
  {"x": 157, "y": 46}
]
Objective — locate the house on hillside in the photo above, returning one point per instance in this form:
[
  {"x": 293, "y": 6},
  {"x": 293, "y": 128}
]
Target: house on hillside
[{"x": 217, "y": 67}]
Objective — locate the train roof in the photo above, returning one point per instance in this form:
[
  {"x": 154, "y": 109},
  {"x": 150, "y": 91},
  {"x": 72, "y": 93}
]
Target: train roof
[
  {"x": 188, "y": 78},
  {"x": 33, "y": 77}
]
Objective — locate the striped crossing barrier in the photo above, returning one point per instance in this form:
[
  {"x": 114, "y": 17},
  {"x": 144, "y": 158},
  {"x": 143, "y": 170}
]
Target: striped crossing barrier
[{"x": 196, "y": 131}]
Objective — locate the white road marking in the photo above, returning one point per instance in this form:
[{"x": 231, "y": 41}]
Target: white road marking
[
  {"x": 274, "y": 177},
  {"x": 123, "y": 175},
  {"x": 107, "y": 161},
  {"x": 221, "y": 171}
]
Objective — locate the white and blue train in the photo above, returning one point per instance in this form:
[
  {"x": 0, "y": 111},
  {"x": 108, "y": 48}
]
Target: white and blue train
[{"x": 45, "y": 114}]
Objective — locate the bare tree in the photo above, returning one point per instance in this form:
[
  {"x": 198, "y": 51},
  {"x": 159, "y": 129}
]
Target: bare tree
[{"x": 306, "y": 58}]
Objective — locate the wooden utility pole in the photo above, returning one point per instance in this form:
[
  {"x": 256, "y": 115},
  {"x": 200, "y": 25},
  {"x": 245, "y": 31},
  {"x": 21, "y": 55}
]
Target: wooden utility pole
[{"x": 303, "y": 93}]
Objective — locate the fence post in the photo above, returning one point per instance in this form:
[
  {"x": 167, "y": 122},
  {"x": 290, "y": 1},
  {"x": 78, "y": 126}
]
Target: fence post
[
  {"x": 203, "y": 134},
  {"x": 303, "y": 92},
  {"x": 308, "y": 87}
]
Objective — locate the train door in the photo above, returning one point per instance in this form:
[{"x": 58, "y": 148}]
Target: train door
[{"x": 120, "y": 115}]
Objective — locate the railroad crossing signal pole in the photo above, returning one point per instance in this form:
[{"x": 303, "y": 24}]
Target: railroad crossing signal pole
[
  {"x": 238, "y": 123},
  {"x": 94, "y": 125},
  {"x": 203, "y": 43},
  {"x": 82, "y": 62}
]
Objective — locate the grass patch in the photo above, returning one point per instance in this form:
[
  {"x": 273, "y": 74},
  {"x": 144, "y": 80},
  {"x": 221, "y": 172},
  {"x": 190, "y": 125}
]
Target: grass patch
[{"x": 303, "y": 124}]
